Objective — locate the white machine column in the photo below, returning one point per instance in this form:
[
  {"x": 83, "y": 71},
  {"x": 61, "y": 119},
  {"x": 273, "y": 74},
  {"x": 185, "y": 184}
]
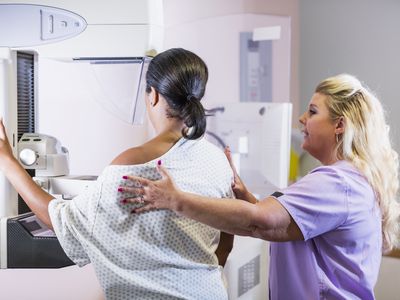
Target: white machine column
[{"x": 8, "y": 111}]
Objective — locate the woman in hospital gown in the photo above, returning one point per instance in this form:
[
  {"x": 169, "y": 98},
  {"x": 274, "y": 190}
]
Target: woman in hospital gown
[{"x": 158, "y": 255}]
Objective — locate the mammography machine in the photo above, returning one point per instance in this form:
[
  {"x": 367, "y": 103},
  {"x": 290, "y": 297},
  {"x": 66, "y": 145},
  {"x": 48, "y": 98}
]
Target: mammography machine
[
  {"x": 72, "y": 33},
  {"x": 258, "y": 137}
]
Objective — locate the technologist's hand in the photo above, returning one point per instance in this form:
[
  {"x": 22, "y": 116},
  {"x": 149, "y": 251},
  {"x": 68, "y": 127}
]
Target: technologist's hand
[
  {"x": 238, "y": 186},
  {"x": 6, "y": 153},
  {"x": 159, "y": 194}
]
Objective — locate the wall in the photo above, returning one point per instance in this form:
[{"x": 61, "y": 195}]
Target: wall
[{"x": 360, "y": 37}]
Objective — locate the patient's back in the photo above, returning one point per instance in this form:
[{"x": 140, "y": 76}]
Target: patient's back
[{"x": 157, "y": 254}]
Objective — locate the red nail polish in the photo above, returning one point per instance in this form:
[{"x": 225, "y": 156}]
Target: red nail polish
[
  {"x": 124, "y": 177},
  {"x": 124, "y": 201},
  {"x": 120, "y": 189},
  {"x": 159, "y": 163},
  {"x": 133, "y": 211}
]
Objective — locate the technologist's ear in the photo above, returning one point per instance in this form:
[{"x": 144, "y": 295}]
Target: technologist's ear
[
  {"x": 340, "y": 125},
  {"x": 153, "y": 97}
]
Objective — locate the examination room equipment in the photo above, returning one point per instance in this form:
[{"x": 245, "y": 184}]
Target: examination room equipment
[
  {"x": 258, "y": 137},
  {"x": 46, "y": 160},
  {"x": 69, "y": 32},
  {"x": 44, "y": 44},
  {"x": 25, "y": 241}
]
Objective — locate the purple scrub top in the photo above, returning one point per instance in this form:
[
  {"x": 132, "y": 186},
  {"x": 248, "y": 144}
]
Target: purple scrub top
[{"x": 338, "y": 215}]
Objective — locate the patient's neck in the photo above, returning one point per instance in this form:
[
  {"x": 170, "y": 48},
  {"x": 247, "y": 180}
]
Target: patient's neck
[
  {"x": 169, "y": 131},
  {"x": 169, "y": 128},
  {"x": 170, "y": 137}
]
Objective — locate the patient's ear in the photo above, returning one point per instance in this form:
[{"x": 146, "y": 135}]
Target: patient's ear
[{"x": 154, "y": 97}]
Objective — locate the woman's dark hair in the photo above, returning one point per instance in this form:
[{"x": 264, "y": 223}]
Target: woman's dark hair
[{"x": 180, "y": 76}]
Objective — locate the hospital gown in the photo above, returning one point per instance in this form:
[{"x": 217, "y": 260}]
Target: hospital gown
[{"x": 154, "y": 255}]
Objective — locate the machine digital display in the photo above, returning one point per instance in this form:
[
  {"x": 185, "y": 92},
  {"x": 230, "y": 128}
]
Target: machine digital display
[
  {"x": 35, "y": 227},
  {"x": 31, "y": 226}
]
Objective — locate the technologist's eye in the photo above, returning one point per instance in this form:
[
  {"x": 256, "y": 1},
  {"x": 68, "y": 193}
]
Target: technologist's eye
[{"x": 311, "y": 112}]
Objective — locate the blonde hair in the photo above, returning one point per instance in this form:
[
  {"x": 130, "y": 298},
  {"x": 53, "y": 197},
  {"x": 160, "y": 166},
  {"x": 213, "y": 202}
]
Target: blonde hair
[{"x": 366, "y": 144}]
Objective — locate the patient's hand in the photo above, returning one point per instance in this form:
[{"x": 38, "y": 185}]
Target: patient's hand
[
  {"x": 238, "y": 186},
  {"x": 393, "y": 253}
]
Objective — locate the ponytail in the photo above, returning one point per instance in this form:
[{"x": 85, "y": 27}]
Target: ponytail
[{"x": 194, "y": 117}]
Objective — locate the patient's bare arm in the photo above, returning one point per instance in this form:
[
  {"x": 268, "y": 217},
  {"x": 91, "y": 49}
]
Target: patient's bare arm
[{"x": 36, "y": 198}]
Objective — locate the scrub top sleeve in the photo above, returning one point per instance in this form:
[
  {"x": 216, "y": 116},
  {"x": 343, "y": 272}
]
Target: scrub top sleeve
[
  {"x": 318, "y": 202},
  {"x": 73, "y": 221}
]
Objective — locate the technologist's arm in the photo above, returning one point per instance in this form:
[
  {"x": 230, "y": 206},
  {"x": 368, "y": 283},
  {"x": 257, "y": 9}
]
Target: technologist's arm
[
  {"x": 37, "y": 199},
  {"x": 266, "y": 219}
]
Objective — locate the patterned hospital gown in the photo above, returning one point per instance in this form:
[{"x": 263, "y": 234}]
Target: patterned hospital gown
[{"x": 154, "y": 255}]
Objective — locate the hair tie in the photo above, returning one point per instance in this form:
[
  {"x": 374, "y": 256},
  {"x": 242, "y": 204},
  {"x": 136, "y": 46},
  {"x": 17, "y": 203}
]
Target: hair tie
[{"x": 191, "y": 97}]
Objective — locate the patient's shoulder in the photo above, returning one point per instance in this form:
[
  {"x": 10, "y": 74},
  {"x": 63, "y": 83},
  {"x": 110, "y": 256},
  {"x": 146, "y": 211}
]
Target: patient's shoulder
[
  {"x": 149, "y": 151},
  {"x": 132, "y": 156}
]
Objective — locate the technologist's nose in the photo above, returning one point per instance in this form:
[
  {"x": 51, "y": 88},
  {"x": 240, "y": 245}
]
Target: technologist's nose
[{"x": 302, "y": 119}]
